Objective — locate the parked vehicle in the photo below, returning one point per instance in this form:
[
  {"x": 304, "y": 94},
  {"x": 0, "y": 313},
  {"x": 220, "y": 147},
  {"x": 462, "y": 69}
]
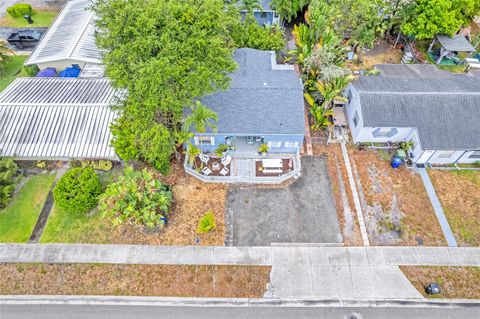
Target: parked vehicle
[{"x": 24, "y": 38}]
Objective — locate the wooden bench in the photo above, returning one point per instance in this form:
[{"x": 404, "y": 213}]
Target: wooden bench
[{"x": 272, "y": 171}]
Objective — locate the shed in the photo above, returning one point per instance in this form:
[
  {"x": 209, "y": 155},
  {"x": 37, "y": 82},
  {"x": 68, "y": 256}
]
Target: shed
[{"x": 57, "y": 118}]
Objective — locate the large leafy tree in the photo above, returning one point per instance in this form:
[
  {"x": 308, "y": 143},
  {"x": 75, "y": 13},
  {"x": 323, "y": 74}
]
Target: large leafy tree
[
  {"x": 165, "y": 53},
  {"x": 289, "y": 9},
  {"x": 428, "y": 18}
]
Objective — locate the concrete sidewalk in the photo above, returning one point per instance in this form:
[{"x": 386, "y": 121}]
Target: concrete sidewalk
[{"x": 316, "y": 273}]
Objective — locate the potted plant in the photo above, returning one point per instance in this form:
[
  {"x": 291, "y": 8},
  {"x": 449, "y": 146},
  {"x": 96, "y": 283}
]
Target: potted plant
[
  {"x": 221, "y": 150},
  {"x": 263, "y": 149}
]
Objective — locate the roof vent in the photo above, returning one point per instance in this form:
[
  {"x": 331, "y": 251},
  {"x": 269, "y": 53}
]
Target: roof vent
[{"x": 265, "y": 83}]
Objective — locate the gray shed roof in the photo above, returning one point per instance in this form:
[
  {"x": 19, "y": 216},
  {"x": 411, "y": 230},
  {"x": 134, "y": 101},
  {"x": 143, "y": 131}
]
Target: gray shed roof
[
  {"x": 445, "y": 111},
  {"x": 55, "y": 118},
  {"x": 261, "y": 100},
  {"x": 70, "y": 37},
  {"x": 412, "y": 71},
  {"x": 456, "y": 43}
]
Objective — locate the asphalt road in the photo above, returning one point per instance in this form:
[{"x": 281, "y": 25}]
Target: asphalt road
[{"x": 148, "y": 312}]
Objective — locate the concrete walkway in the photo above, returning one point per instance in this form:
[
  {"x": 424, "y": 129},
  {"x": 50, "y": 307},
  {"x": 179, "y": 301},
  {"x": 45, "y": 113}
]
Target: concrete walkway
[
  {"x": 317, "y": 273},
  {"x": 437, "y": 207}
]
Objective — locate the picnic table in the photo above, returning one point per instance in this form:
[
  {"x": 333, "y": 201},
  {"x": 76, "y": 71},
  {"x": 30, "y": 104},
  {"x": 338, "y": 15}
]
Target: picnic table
[{"x": 272, "y": 163}]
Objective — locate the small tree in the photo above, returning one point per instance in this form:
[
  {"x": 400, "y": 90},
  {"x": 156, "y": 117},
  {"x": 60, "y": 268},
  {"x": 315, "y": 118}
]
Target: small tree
[
  {"x": 19, "y": 10},
  {"x": 5, "y": 55},
  {"x": 206, "y": 223},
  {"x": 8, "y": 170},
  {"x": 201, "y": 117},
  {"x": 137, "y": 198},
  {"x": 77, "y": 190}
]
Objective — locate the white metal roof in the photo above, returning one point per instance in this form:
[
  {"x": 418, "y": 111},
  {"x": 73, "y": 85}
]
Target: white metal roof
[
  {"x": 70, "y": 37},
  {"x": 57, "y": 118}
]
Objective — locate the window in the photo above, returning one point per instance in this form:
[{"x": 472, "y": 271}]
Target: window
[
  {"x": 291, "y": 144},
  {"x": 445, "y": 154},
  {"x": 263, "y": 15},
  {"x": 274, "y": 144},
  {"x": 204, "y": 140},
  {"x": 475, "y": 154},
  {"x": 355, "y": 119},
  {"x": 384, "y": 132}
]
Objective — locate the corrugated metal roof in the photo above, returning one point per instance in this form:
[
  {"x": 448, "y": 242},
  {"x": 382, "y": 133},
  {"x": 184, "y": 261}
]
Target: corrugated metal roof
[
  {"x": 54, "y": 118},
  {"x": 71, "y": 36},
  {"x": 456, "y": 43}
]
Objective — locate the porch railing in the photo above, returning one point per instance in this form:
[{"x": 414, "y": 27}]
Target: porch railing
[{"x": 296, "y": 172}]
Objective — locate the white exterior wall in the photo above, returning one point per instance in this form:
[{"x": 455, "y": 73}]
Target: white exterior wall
[
  {"x": 464, "y": 159},
  {"x": 435, "y": 159},
  {"x": 60, "y": 65}
]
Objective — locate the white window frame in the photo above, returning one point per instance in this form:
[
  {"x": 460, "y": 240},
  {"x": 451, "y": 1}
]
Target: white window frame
[
  {"x": 291, "y": 144},
  {"x": 474, "y": 155},
  {"x": 381, "y": 132},
  {"x": 445, "y": 154},
  {"x": 204, "y": 140},
  {"x": 355, "y": 119},
  {"x": 274, "y": 144}
]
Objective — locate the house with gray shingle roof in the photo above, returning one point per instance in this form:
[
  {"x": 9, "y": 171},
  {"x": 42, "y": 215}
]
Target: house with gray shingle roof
[
  {"x": 264, "y": 105},
  {"x": 439, "y": 115}
]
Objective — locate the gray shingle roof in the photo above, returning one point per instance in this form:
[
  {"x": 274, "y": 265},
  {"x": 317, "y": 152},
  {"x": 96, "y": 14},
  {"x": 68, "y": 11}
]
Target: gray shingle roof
[
  {"x": 412, "y": 71},
  {"x": 55, "y": 118},
  {"x": 445, "y": 111},
  {"x": 260, "y": 100},
  {"x": 456, "y": 43},
  {"x": 71, "y": 36}
]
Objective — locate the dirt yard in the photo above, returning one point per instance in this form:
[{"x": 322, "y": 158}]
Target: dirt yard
[
  {"x": 343, "y": 195},
  {"x": 396, "y": 207},
  {"x": 134, "y": 280},
  {"x": 454, "y": 282},
  {"x": 459, "y": 194},
  {"x": 381, "y": 53}
]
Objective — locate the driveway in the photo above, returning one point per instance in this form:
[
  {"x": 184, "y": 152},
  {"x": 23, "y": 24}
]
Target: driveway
[{"x": 303, "y": 212}]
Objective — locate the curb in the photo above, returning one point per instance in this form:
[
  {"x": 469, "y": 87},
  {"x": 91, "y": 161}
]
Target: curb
[{"x": 231, "y": 302}]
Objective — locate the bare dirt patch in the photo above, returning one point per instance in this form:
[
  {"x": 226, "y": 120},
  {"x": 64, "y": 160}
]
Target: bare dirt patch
[
  {"x": 343, "y": 195},
  {"x": 459, "y": 194},
  {"x": 455, "y": 282},
  {"x": 381, "y": 53},
  {"x": 395, "y": 204},
  {"x": 134, "y": 280}
]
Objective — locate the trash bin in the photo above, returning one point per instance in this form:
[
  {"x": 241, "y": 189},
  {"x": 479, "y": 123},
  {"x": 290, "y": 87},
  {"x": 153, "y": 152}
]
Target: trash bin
[
  {"x": 396, "y": 161},
  {"x": 432, "y": 289}
]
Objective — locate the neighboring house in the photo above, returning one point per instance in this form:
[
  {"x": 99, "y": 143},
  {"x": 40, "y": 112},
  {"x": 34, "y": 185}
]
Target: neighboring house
[
  {"x": 69, "y": 41},
  {"x": 264, "y": 105},
  {"x": 266, "y": 16},
  {"x": 440, "y": 115},
  {"x": 57, "y": 119}
]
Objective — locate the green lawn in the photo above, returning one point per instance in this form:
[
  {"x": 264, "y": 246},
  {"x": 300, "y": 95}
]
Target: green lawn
[
  {"x": 19, "y": 217},
  {"x": 13, "y": 69},
  {"x": 65, "y": 227},
  {"x": 41, "y": 18}
]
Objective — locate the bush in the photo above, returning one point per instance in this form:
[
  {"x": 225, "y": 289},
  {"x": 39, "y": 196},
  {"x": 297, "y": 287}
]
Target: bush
[
  {"x": 78, "y": 190},
  {"x": 206, "y": 223},
  {"x": 19, "y": 10},
  {"x": 138, "y": 198},
  {"x": 102, "y": 165},
  {"x": 31, "y": 70},
  {"x": 8, "y": 170}
]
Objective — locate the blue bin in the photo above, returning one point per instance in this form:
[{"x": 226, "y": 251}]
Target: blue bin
[{"x": 396, "y": 161}]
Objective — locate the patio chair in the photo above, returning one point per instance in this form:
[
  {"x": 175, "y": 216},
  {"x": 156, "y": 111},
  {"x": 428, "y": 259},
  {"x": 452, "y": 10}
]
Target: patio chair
[
  {"x": 205, "y": 158},
  {"x": 224, "y": 171},
  {"x": 226, "y": 160},
  {"x": 206, "y": 171}
]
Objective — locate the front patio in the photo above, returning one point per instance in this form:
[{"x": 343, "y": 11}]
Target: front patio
[{"x": 272, "y": 168}]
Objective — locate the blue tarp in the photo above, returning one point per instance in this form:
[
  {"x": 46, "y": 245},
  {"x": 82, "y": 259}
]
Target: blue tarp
[
  {"x": 70, "y": 72},
  {"x": 47, "y": 73}
]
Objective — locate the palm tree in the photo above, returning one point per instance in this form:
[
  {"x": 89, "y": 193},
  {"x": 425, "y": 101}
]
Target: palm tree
[
  {"x": 201, "y": 118},
  {"x": 250, "y": 6},
  {"x": 5, "y": 55}
]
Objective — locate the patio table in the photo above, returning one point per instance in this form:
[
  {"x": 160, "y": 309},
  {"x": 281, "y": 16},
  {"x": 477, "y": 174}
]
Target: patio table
[
  {"x": 272, "y": 163},
  {"x": 216, "y": 166}
]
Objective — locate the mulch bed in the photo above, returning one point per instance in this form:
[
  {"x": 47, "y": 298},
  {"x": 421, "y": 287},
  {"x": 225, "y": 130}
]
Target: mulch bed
[
  {"x": 134, "y": 280},
  {"x": 454, "y": 282}
]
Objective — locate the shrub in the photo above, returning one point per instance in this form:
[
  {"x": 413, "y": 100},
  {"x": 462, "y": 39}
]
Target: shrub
[
  {"x": 206, "y": 223},
  {"x": 19, "y": 10},
  {"x": 41, "y": 164},
  {"x": 8, "y": 170},
  {"x": 221, "y": 149},
  {"x": 102, "y": 165},
  {"x": 78, "y": 190},
  {"x": 31, "y": 70},
  {"x": 138, "y": 198}
]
